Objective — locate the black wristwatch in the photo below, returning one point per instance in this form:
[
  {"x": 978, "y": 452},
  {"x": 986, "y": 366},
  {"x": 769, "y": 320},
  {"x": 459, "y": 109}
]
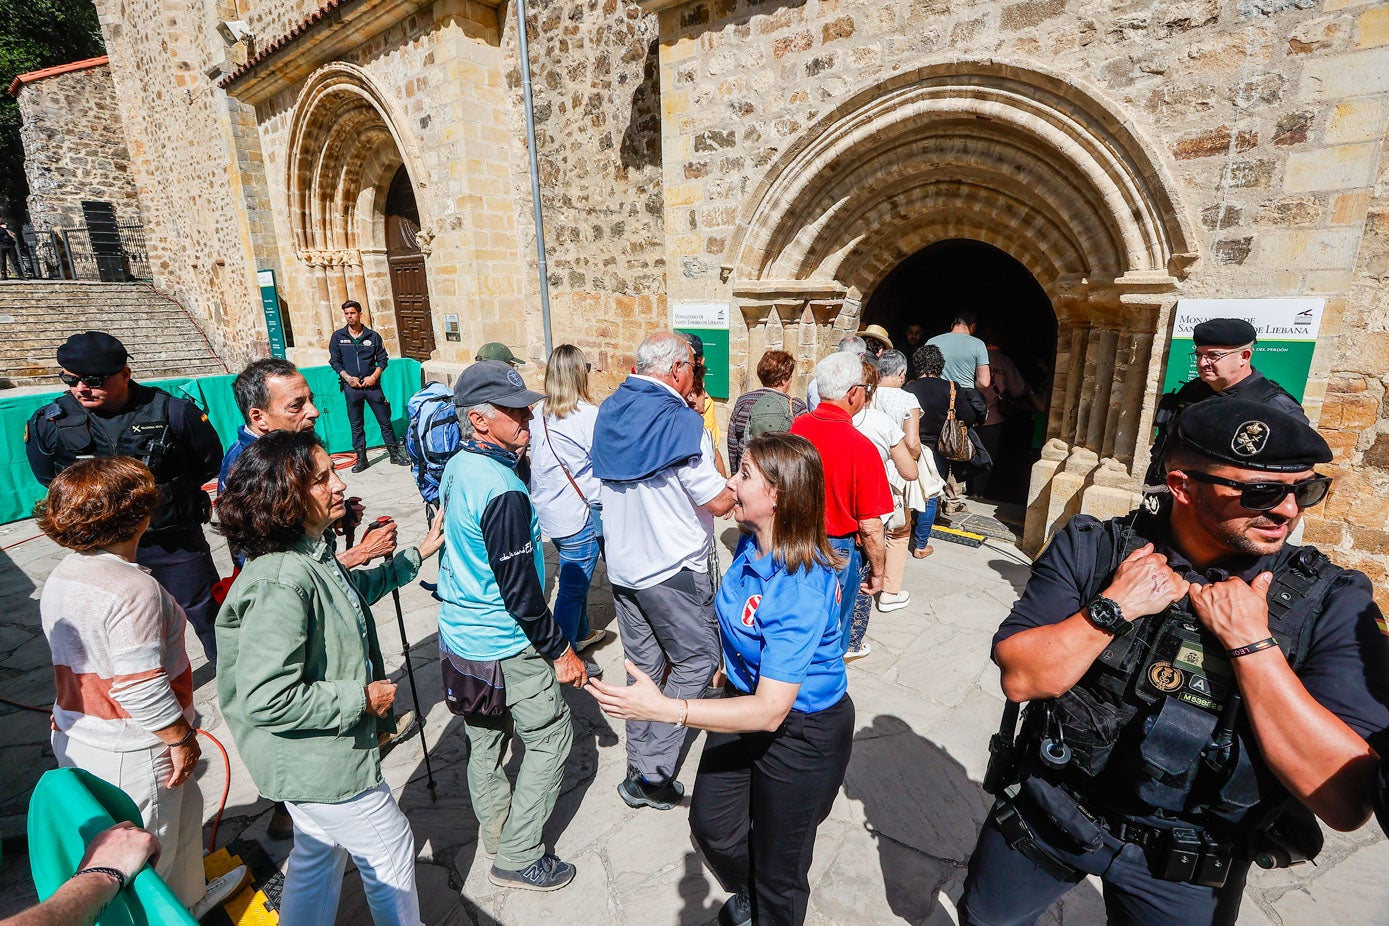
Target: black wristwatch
[{"x": 1105, "y": 614}]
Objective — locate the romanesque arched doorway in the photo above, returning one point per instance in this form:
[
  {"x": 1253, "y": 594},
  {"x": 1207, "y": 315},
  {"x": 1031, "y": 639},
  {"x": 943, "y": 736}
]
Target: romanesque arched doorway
[
  {"x": 354, "y": 211},
  {"x": 929, "y": 288},
  {"x": 1012, "y": 157},
  {"x": 409, "y": 290}
]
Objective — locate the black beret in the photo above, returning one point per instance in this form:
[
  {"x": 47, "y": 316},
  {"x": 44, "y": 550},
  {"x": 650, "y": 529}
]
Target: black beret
[
  {"x": 92, "y": 353},
  {"x": 1224, "y": 332},
  {"x": 1251, "y": 435}
]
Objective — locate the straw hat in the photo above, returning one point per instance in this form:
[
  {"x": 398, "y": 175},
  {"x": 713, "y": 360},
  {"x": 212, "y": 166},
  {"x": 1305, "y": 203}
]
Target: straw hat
[{"x": 877, "y": 333}]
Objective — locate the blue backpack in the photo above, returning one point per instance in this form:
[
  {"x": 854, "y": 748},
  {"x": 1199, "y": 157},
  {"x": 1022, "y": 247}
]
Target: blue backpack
[{"x": 432, "y": 438}]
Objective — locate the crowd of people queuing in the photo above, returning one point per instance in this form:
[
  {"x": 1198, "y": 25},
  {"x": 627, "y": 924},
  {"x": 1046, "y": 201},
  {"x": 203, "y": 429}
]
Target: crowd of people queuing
[{"x": 1198, "y": 685}]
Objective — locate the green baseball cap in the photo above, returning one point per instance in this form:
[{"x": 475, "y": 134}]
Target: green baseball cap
[{"x": 496, "y": 350}]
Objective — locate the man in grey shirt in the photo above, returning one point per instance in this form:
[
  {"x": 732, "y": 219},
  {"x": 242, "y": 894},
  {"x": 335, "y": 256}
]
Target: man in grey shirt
[{"x": 966, "y": 357}]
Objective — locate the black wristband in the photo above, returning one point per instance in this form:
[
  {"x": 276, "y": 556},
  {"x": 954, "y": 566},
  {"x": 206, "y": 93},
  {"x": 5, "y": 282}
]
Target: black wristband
[
  {"x": 192, "y": 732},
  {"x": 113, "y": 872},
  {"x": 1256, "y": 646}
]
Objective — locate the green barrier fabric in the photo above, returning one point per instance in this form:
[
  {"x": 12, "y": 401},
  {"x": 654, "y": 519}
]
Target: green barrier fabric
[
  {"x": 19, "y": 490},
  {"x": 68, "y": 809}
]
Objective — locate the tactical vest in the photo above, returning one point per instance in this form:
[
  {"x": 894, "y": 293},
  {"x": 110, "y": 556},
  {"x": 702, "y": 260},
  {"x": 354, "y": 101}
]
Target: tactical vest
[
  {"x": 1169, "y": 410},
  {"x": 1156, "y": 713},
  {"x": 146, "y": 436}
]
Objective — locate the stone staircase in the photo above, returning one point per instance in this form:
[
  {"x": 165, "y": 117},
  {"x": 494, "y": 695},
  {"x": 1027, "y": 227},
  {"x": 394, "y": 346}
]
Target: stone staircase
[{"x": 37, "y": 316}]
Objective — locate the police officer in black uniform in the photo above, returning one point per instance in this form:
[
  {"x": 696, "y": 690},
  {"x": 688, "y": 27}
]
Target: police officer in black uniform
[
  {"x": 1196, "y": 686},
  {"x": 105, "y": 413},
  {"x": 356, "y": 353},
  {"x": 1223, "y": 348}
]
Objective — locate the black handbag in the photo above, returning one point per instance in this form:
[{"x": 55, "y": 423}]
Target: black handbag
[{"x": 474, "y": 689}]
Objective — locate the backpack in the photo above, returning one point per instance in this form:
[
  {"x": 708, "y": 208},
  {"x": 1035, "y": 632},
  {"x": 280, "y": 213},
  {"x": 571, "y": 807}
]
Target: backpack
[
  {"x": 770, "y": 414},
  {"x": 432, "y": 438}
]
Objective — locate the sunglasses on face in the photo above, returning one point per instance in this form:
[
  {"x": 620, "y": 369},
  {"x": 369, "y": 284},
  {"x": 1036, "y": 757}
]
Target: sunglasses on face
[
  {"x": 91, "y": 382},
  {"x": 1265, "y": 496}
]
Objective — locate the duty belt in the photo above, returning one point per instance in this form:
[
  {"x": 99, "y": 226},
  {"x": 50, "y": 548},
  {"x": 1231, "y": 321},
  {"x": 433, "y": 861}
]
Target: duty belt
[{"x": 1182, "y": 853}]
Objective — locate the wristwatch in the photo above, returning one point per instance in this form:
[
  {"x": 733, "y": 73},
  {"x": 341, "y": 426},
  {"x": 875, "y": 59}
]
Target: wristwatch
[{"x": 1105, "y": 614}]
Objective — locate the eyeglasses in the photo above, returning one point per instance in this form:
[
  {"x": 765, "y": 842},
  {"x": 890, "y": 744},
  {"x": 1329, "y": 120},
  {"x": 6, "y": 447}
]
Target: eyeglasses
[
  {"x": 91, "y": 382},
  {"x": 1214, "y": 356},
  {"x": 1265, "y": 496}
]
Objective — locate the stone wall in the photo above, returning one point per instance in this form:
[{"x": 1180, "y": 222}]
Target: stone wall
[{"x": 74, "y": 148}]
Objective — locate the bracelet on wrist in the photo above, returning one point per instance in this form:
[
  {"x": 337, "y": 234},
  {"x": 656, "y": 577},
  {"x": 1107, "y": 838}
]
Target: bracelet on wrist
[
  {"x": 1256, "y": 646},
  {"x": 684, "y": 712},
  {"x": 101, "y": 870},
  {"x": 192, "y": 732}
]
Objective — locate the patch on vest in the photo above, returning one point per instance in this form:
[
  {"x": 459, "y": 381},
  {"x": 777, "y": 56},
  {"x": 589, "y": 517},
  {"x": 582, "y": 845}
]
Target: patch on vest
[
  {"x": 1249, "y": 438},
  {"x": 750, "y": 608},
  {"x": 1165, "y": 676}
]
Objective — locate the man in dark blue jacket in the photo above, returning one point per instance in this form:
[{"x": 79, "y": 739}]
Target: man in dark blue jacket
[{"x": 357, "y": 355}]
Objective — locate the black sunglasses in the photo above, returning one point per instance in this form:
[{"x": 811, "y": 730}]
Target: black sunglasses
[
  {"x": 91, "y": 382},
  {"x": 1265, "y": 496}
]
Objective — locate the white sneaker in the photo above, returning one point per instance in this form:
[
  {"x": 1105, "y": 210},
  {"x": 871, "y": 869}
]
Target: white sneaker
[
  {"x": 891, "y": 602},
  {"x": 594, "y": 637},
  {"x": 863, "y": 650},
  {"x": 219, "y": 890}
]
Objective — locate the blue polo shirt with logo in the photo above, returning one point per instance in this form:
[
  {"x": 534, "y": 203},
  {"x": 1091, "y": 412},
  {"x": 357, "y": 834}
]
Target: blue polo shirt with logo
[{"x": 783, "y": 626}]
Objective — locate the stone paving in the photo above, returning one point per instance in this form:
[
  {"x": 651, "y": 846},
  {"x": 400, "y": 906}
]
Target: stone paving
[{"x": 892, "y": 850}]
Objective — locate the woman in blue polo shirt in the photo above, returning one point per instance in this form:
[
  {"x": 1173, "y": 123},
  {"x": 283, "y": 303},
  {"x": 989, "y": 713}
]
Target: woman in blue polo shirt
[{"x": 780, "y": 737}]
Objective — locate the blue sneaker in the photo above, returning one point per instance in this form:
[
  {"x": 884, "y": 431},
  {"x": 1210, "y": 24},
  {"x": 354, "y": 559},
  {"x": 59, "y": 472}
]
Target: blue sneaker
[{"x": 546, "y": 873}]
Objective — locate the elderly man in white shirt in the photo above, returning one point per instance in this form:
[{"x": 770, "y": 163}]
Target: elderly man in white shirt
[{"x": 661, "y": 492}]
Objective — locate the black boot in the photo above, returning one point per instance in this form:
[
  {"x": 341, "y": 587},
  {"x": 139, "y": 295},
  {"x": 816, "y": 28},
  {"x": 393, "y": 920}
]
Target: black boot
[
  {"x": 361, "y": 463},
  {"x": 398, "y": 457}
]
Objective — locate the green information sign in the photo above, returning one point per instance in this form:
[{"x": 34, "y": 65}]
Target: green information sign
[
  {"x": 709, "y": 322},
  {"x": 1287, "y": 337},
  {"x": 270, "y": 302}
]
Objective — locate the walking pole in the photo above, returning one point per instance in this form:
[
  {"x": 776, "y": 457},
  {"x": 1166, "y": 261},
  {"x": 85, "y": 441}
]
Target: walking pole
[{"x": 410, "y": 671}]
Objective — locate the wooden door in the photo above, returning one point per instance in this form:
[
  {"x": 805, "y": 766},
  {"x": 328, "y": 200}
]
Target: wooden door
[{"x": 409, "y": 287}]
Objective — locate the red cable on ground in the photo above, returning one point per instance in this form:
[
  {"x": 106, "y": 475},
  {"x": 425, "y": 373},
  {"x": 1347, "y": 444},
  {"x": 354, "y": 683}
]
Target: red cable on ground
[
  {"x": 18, "y": 542},
  {"x": 226, "y": 789},
  {"x": 27, "y": 707}
]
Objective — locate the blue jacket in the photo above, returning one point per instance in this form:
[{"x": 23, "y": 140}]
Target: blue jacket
[
  {"x": 358, "y": 357},
  {"x": 643, "y": 428}
]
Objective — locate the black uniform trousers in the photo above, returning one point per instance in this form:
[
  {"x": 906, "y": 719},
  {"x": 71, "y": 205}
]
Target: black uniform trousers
[
  {"x": 1005, "y": 888},
  {"x": 182, "y": 562},
  {"x": 758, "y": 799},
  {"x": 10, "y": 255},
  {"x": 374, "y": 397}
]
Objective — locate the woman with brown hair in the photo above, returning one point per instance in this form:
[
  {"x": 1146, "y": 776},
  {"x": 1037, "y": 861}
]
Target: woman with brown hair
[
  {"x": 302, "y": 683},
  {"x": 774, "y": 372},
  {"x": 124, "y": 708},
  {"x": 780, "y": 737}
]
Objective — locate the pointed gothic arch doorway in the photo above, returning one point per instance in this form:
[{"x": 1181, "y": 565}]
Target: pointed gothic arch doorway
[
  {"x": 409, "y": 288},
  {"x": 931, "y": 286}
]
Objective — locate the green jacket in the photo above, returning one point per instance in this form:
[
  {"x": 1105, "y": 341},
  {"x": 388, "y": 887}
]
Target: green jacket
[{"x": 296, "y": 648}]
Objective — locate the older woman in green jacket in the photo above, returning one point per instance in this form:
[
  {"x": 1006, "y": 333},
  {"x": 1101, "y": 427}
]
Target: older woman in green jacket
[{"x": 302, "y": 683}]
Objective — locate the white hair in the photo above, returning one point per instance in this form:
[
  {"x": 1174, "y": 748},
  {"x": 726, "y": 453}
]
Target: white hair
[
  {"x": 659, "y": 353},
  {"x": 465, "y": 424},
  {"x": 892, "y": 363},
  {"x": 838, "y": 373},
  {"x": 854, "y": 344}
]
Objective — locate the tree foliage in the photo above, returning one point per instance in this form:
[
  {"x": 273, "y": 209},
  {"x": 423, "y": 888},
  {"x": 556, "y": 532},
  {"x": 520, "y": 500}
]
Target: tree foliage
[{"x": 36, "y": 34}]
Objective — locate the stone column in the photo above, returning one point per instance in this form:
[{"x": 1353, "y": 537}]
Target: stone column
[{"x": 1036, "y": 530}]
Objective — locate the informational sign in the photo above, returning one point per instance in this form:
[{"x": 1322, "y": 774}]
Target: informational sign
[
  {"x": 451, "y": 330},
  {"x": 270, "y": 303},
  {"x": 709, "y": 322},
  {"x": 1287, "y": 330}
]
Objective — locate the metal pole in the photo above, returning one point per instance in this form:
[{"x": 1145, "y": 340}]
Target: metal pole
[{"x": 535, "y": 173}]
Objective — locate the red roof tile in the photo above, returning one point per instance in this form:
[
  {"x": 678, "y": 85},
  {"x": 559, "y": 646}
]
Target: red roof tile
[{"x": 32, "y": 76}]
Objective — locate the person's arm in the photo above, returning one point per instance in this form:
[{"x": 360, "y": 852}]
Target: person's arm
[
  {"x": 981, "y": 376},
  {"x": 335, "y": 356},
  {"x": 701, "y": 479},
  {"x": 764, "y": 710},
  {"x": 203, "y": 460},
  {"x": 81, "y": 900},
  {"x": 911, "y": 429},
  {"x": 870, "y": 537},
  {"x": 38, "y": 450},
  {"x": 379, "y": 361},
  {"x": 506, "y": 534},
  {"x": 1046, "y": 661},
  {"x": 903, "y": 460},
  {"x": 1314, "y": 753}
]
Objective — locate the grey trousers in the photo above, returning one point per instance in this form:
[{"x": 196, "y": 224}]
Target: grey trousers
[{"x": 672, "y": 634}]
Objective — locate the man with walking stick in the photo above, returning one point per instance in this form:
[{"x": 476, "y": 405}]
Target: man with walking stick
[{"x": 504, "y": 657}]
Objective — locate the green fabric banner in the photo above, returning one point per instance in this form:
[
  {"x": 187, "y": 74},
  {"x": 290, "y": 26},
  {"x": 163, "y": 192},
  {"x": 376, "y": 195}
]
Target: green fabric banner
[{"x": 19, "y": 490}]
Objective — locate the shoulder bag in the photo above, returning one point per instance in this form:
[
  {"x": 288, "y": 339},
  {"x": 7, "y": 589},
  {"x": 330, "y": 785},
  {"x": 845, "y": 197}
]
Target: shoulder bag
[
  {"x": 595, "y": 508},
  {"x": 954, "y": 443}
]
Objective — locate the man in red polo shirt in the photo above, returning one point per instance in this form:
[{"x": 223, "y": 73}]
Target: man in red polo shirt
[{"x": 856, "y": 490}]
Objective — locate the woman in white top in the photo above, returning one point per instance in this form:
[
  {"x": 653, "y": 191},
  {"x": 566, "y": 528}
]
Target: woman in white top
[
  {"x": 887, "y": 436},
  {"x": 124, "y": 708},
  {"x": 564, "y": 489},
  {"x": 919, "y": 496}
]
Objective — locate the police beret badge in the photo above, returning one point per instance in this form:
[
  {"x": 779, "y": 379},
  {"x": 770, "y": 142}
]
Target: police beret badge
[{"x": 1249, "y": 438}]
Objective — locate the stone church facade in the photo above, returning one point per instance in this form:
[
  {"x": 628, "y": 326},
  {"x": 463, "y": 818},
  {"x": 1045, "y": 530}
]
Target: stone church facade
[{"x": 785, "y": 157}]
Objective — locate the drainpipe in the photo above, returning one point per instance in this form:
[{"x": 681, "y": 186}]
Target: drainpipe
[{"x": 535, "y": 175}]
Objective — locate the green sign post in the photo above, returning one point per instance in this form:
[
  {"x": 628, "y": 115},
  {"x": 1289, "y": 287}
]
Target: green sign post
[
  {"x": 1287, "y": 337},
  {"x": 270, "y": 303},
  {"x": 708, "y": 321}
]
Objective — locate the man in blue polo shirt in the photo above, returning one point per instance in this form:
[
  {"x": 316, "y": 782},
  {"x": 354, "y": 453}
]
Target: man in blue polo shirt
[{"x": 356, "y": 354}]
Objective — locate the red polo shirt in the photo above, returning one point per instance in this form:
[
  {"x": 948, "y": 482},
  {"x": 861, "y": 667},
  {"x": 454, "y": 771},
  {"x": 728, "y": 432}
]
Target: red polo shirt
[{"x": 856, "y": 486}]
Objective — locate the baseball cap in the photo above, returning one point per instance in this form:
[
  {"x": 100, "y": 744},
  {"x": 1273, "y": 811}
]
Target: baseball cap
[
  {"x": 494, "y": 382},
  {"x": 496, "y": 350}
]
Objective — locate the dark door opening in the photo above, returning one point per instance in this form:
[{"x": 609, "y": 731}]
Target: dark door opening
[
  {"x": 409, "y": 288},
  {"x": 1014, "y": 313}
]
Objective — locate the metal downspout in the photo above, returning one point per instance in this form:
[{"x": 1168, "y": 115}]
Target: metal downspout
[{"x": 535, "y": 174}]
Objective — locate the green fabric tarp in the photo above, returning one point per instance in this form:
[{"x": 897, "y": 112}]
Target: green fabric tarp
[
  {"x": 68, "y": 809},
  {"x": 19, "y": 490}
]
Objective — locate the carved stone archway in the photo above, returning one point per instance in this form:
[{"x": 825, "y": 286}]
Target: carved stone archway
[
  {"x": 1014, "y": 157},
  {"x": 344, "y": 150}
]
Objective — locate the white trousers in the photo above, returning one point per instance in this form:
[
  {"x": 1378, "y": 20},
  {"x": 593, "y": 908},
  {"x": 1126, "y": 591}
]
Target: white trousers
[
  {"x": 175, "y": 815},
  {"x": 372, "y": 830}
]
